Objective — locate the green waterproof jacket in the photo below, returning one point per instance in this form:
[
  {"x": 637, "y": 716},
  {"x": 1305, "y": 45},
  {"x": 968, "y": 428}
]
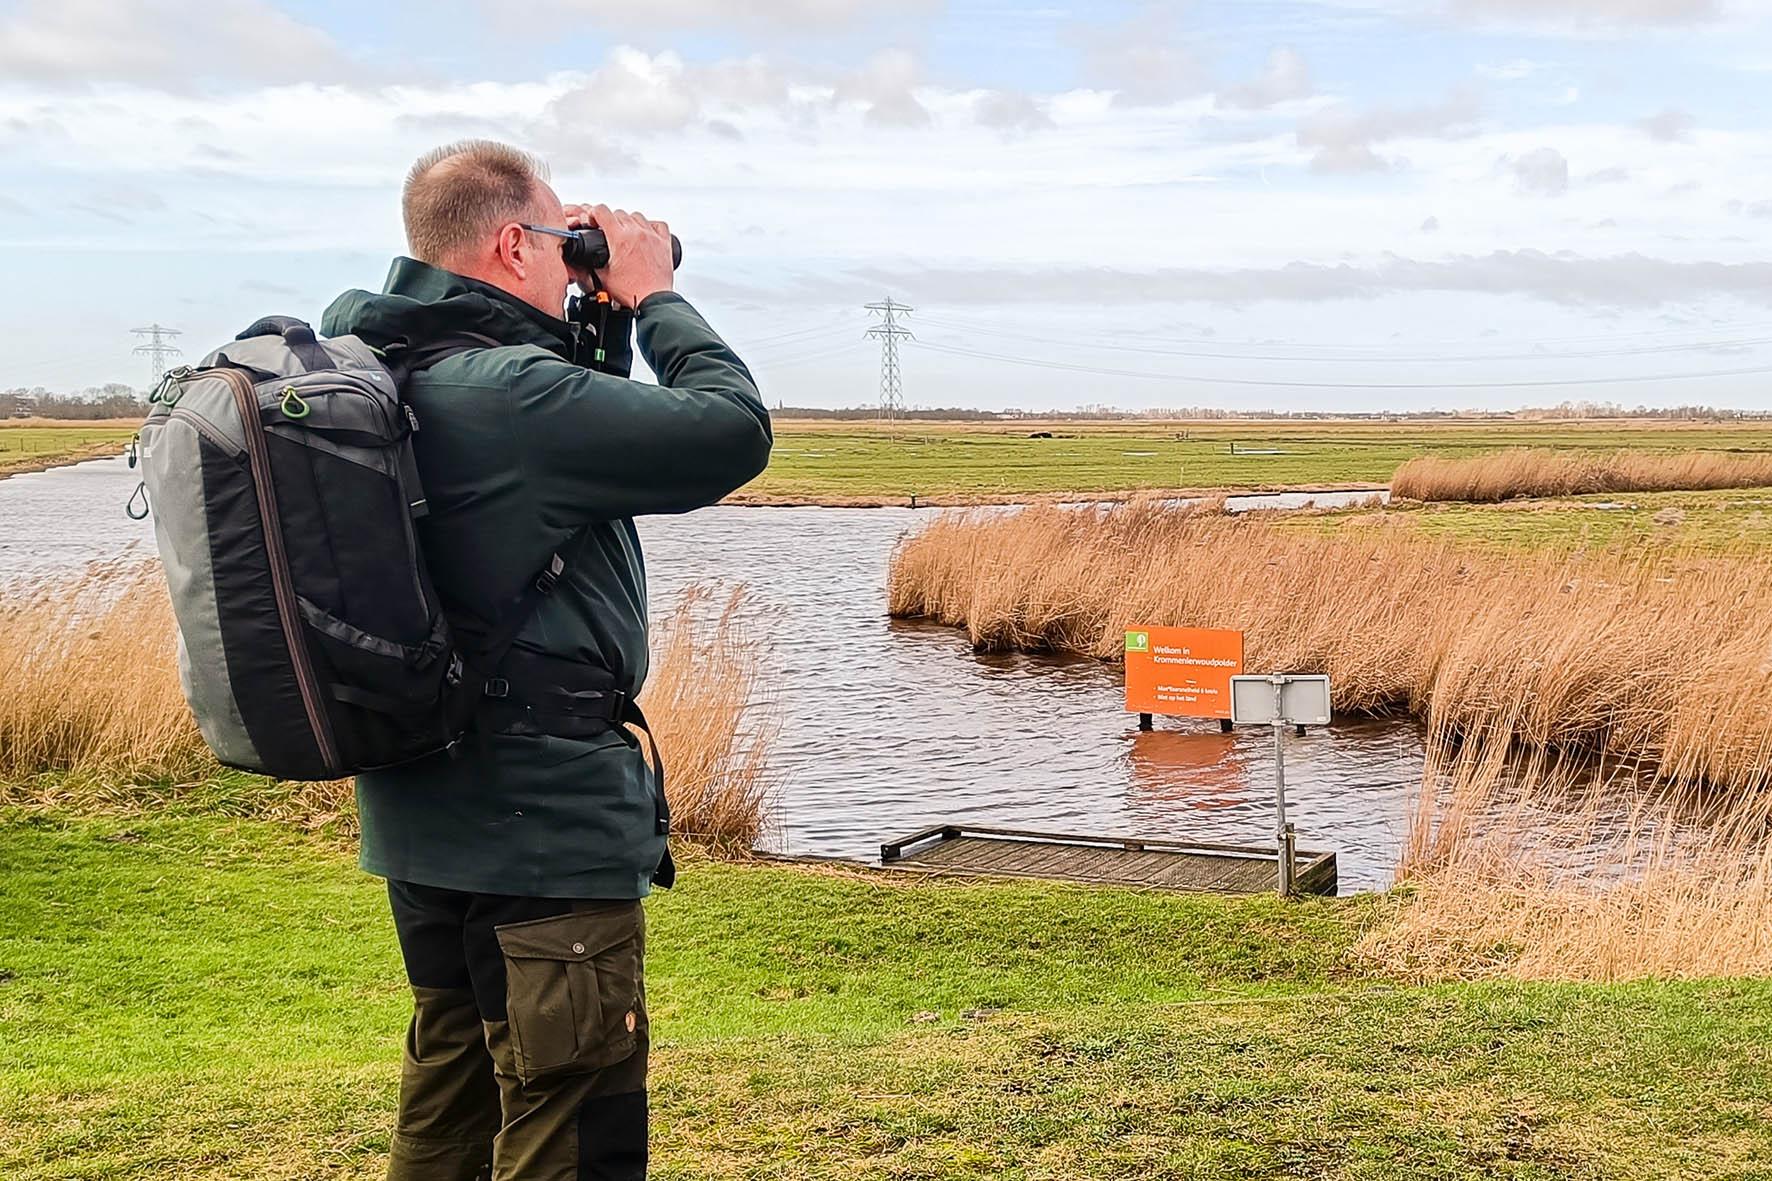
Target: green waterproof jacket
[{"x": 519, "y": 447}]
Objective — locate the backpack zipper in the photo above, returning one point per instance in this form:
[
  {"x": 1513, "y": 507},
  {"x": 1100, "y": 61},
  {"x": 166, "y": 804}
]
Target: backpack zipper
[{"x": 282, "y": 585}]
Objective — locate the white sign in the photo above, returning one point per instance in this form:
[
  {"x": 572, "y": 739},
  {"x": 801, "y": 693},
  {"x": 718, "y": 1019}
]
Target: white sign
[{"x": 1298, "y": 701}]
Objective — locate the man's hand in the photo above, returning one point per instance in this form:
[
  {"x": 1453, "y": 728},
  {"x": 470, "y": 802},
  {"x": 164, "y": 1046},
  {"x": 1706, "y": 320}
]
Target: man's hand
[{"x": 639, "y": 253}]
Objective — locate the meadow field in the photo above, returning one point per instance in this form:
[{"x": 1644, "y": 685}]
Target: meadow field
[
  {"x": 846, "y": 463},
  {"x": 968, "y": 463},
  {"x": 31, "y": 445}
]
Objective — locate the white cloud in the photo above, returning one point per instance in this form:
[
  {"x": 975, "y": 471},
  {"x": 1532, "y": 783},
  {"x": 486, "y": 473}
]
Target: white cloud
[
  {"x": 1286, "y": 77},
  {"x": 1344, "y": 137},
  {"x": 163, "y": 42},
  {"x": 796, "y": 16},
  {"x": 1669, "y": 126},
  {"x": 1544, "y": 171},
  {"x": 885, "y": 86},
  {"x": 1010, "y": 110},
  {"x": 1616, "y": 282},
  {"x": 634, "y": 96},
  {"x": 1141, "y": 60},
  {"x": 1592, "y": 13}
]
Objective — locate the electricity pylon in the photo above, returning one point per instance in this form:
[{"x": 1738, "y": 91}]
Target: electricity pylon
[
  {"x": 889, "y": 333},
  {"x": 158, "y": 348}
]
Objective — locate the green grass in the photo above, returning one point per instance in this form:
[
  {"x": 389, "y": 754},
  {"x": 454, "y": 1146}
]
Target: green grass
[
  {"x": 821, "y": 461},
  {"x": 29, "y": 448},
  {"x": 189, "y": 996},
  {"x": 1716, "y": 520}
]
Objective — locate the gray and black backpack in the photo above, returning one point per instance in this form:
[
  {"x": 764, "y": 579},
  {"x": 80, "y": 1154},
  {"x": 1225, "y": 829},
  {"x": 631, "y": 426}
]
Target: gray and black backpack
[{"x": 281, "y": 477}]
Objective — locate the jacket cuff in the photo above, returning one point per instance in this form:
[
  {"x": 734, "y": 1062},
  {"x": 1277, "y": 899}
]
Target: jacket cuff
[{"x": 658, "y": 299}]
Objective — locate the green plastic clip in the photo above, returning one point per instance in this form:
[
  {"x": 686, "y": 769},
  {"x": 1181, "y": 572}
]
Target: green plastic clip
[{"x": 292, "y": 405}]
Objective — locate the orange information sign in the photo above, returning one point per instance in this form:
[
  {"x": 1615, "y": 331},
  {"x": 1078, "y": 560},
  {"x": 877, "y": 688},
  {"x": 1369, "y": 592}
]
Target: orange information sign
[{"x": 1182, "y": 671}]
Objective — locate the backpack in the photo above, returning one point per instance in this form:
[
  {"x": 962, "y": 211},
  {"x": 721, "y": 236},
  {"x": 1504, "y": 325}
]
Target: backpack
[{"x": 284, "y": 491}]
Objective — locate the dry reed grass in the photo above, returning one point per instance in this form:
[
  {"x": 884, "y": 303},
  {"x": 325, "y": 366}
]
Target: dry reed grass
[
  {"x": 1542, "y": 871},
  {"x": 1662, "y": 657},
  {"x": 92, "y": 717},
  {"x": 1528, "y": 471},
  {"x": 715, "y": 731}
]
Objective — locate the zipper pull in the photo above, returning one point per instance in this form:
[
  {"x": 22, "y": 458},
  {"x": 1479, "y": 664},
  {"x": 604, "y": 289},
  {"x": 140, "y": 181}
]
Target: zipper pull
[
  {"x": 168, "y": 379},
  {"x": 411, "y": 416}
]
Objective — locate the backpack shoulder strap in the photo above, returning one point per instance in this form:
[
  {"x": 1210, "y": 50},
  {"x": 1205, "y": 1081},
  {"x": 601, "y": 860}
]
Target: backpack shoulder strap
[{"x": 503, "y": 633}]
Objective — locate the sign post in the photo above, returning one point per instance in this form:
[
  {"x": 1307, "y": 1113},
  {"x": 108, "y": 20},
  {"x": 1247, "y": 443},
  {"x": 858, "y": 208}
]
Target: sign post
[
  {"x": 1281, "y": 701},
  {"x": 1181, "y": 672}
]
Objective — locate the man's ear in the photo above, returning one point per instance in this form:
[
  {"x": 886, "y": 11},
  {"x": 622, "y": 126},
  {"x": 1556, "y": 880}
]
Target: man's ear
[{"x": 513, "y": 250}]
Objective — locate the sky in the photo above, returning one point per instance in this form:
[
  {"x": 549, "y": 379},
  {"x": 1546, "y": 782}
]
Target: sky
[{"x": 1243, "y": 204}]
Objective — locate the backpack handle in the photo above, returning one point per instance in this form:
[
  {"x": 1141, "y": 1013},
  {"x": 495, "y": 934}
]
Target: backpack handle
[{"x": 297, "y": 335}]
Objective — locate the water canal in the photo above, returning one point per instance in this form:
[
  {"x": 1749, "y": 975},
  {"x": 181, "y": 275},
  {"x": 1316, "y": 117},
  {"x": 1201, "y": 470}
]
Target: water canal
[{"x": 889, "y": 726}]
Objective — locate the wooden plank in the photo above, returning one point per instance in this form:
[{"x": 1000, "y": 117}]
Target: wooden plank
[
  {"x": 1024, "y": 857},
  {"x": 1203, "y": 866},
  {"x": 1319, "y": 876},
  {"x": 955, "y": 852},
  {"x": 1145, "y": 866},
  {"x": 1086, "y": 863}
]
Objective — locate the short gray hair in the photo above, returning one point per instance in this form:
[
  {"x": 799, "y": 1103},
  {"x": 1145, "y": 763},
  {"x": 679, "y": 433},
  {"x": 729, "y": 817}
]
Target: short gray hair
[{"x": 457, "y": 194}]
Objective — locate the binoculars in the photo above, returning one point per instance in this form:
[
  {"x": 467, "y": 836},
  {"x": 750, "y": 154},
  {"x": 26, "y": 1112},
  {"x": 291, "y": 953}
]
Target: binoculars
[{"x": 590, "y": 248}]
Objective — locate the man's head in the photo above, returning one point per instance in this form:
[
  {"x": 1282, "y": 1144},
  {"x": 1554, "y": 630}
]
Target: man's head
[{"x": 465, "y": 205}]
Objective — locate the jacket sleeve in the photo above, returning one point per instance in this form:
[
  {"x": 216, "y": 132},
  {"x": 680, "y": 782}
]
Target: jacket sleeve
[{"x": 607, "y": 447}]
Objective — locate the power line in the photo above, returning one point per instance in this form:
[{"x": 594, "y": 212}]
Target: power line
[
  {"x": 801, "y": 358},
  {"x": 158, "y": 348},
  {"x": 888, "y": 333},
  {"x": 812, "y": 339},
  {"x": 1337, "y": 385},
  {"x": 820, "y": 330}
]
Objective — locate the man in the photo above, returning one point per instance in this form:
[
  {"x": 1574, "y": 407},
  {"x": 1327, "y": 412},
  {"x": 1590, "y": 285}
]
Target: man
[{"x": 515, "y": 867}]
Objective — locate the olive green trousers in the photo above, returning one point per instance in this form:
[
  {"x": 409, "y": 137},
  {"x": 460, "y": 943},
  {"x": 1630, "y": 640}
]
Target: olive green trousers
[{"x": 526, "y": 1056}]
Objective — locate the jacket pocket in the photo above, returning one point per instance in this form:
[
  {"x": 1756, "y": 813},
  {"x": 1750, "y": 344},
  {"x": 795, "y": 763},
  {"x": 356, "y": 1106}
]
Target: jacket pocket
[{"x": 573, "y": 990}]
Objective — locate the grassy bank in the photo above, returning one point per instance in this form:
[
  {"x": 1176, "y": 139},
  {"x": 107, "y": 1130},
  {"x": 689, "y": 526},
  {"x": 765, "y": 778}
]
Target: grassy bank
[
  {"x": 33, "y": 445},
  {"x": 188, "y": 997},
  {"x": 1711, "y": 521}
]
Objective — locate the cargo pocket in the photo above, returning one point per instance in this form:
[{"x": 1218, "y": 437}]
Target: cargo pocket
[{"x": 572, "y": 990}]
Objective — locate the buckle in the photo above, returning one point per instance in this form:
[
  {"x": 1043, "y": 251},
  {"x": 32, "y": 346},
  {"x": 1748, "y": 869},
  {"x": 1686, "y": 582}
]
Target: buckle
[
  {"x": 550, "y": 577},
  {"x": 618, "y": 700},
  {"x": 498, "y": 687}
]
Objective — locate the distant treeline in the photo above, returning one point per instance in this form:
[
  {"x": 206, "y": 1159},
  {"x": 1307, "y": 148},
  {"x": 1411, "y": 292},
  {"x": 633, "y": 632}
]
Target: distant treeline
[{"x": 113, "y": 400}]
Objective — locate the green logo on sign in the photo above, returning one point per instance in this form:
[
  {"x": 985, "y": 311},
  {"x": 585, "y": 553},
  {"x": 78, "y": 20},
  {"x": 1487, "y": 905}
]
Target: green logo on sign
[{"x": 1138, "y": 641}]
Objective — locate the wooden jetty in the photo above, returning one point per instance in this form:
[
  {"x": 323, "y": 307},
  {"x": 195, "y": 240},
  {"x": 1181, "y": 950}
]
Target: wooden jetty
[{"x": 1116, "y": 861}]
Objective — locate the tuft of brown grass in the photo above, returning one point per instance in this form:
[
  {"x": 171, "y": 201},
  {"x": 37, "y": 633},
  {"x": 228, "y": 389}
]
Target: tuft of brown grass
[
  {"x": 89, "y": 680},
  {"x": 1662, "y": 656},
  {"x": 1530, "y": 471},
  {"x": 714, "y": 730},
  {"x": 1541, "y": 870},
  {"x": 92, "y": 717}
]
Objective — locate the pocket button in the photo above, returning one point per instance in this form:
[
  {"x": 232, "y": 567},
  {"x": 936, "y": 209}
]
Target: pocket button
[{"x": 578, "y": 949}]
